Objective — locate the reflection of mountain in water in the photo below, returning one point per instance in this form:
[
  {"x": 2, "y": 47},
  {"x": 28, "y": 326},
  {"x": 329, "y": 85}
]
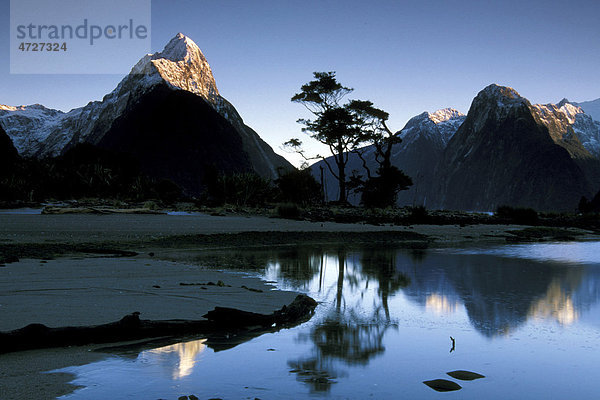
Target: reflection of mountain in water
[
  {"x": 182, "y": 356},
  {"x": 499, "y": 294},
  {"x": 557, "y": 304},
  {"x": 356, "y": 288}
]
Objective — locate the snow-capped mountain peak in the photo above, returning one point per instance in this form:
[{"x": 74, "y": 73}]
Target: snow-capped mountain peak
[
  {"x": 497, "y": 103},
  {"x": 571, "y": 111},
  {"x": 444, "y": 115},
  {"x": 438, "y": 127},
  {"x": 180, "y": 48},
  {"x": 569, "y": 122},
  {"x": 180, "y": 64},
  {"x": 40, "y": 131},
  {"x": 180, "y": 67},
  {"x": 504, "y": 95},
  {"x": 563, "y": 110}
]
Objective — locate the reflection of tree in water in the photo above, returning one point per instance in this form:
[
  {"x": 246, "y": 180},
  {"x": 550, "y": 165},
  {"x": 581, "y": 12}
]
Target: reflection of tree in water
[
  {"x": 417, "y": 255},
  {"x": 347, "y": 341},
  {"x": 499, "y": 294},
  {"x": 380, "y": 264},
  {"x": 338, "y": 341},
  {"x": 344, "y": 337},
  {"x": 298, "y": 264}
]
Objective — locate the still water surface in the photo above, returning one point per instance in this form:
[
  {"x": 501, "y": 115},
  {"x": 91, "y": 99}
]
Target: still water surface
[{"x": 525, "y": 316}]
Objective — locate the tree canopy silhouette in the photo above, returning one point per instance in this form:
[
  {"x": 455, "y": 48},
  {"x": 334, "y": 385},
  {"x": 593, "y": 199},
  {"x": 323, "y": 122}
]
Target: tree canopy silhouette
[
  {"x": 345, "y": 129},
  {"x": 333, "y": 125}
]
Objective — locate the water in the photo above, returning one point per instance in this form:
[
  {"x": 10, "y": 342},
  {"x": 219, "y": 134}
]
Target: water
[
  {"x": 21, "y": 211},
  {"x": 525, "y": 316}
]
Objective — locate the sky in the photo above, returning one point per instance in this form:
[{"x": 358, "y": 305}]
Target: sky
[{"x": 405, "y": 56}]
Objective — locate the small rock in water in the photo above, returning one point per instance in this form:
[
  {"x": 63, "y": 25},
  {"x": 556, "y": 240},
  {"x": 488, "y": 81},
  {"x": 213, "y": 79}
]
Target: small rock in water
[
  {"x": 465, "y": 375},
  {"x": 192, "y": 397},
  {"x": 443, "y": 385}
]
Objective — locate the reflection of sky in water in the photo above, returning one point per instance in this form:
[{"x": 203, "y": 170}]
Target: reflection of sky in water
[
  {"x": 564, "y": 252},
  {"x": 384, "y": 326},
  {"x": 26, "y": 211}
]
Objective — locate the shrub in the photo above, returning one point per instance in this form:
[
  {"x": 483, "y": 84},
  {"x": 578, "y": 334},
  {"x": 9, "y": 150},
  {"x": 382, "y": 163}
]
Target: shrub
[
  {"x": 518, "y": 215},
  {"x": 167, "y": 190},
  {"x": 150, "y": 205},
  {"x": 288, "y": 211},
  {"x": 299, "y": 186},
  {"x": 418, "y": 214},
  {"x": 240, "y": 189},
  {"x": 381, "y": 191}
]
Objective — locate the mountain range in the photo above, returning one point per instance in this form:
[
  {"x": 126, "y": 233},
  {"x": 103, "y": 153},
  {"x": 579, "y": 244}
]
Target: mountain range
[
  {"x": 167, "y": 121},
  {"x": 167, "y": 114},
  {"x": 505, "y": 151}
]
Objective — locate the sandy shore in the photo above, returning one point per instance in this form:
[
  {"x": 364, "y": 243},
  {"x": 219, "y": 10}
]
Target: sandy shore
[
  {"x": 90, "y": 291},
  {"x": 77, "y": 289},
  {"x": 93, "y": 291},
  {"x": 97, "y": 228}
]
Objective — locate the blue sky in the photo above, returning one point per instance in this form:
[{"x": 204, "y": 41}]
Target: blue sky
[{"x": 405, "y": 56}]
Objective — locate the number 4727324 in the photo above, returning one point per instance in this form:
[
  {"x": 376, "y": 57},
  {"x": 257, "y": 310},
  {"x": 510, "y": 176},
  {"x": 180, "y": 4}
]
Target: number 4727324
[{"x": 43, "y": 46}]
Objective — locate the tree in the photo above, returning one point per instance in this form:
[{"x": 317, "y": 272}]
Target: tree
[
  {"x": 334, "y": 125},
  {"x": 381, "y": 190},
  {"x": 346, "y": 129},
  {"x": 375, "y": 131}
]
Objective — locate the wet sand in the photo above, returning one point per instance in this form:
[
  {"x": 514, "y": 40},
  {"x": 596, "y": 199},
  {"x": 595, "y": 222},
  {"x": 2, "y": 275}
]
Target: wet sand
[{"x": 93, "y": 291}]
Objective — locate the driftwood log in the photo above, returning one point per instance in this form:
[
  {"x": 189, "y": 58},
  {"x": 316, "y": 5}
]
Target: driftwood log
[{"x": 220, "y": 321}]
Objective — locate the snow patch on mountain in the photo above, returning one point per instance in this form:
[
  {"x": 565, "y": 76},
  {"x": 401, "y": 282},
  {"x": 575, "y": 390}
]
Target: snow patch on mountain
[
  {"x": 438, "y": 127},
  {"x": 571, "y": 120},
  {"x": 563, "y": 110},
  {"x": 29, "y": 126}
]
